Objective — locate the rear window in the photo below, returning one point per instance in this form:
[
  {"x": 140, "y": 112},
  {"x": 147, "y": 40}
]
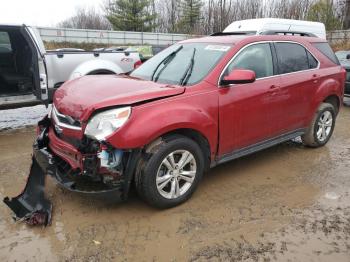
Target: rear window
[
  {"x": 325, "y": 49},
  {"x": 5, "y": 43}
]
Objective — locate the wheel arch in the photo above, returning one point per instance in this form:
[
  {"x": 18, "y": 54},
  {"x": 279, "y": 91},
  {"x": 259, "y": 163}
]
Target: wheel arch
[
  {"x": 333, "y": 100},
  {"x": 90, "y": 66},
  {"x": 192, "y": 134}
]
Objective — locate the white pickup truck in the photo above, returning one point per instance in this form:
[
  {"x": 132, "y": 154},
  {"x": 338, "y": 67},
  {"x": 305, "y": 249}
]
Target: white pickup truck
[{"x": 29, "y": 73}]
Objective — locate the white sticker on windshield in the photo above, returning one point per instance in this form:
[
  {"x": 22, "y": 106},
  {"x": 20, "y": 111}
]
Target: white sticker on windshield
[{"x": 221, "y": 48}]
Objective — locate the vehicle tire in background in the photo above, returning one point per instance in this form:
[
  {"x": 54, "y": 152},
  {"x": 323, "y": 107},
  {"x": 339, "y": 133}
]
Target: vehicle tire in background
[
  {"x": 169, "y": 174},
  {"x": 322, "y": 126}
]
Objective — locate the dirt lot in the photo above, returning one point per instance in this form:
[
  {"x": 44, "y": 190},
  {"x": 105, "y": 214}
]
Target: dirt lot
[{"x": 288, "y": 203}]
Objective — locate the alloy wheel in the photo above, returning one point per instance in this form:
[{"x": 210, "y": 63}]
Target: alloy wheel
[
  {"x": 176, "y": 174},
  {"x": 325, "y": 123}
]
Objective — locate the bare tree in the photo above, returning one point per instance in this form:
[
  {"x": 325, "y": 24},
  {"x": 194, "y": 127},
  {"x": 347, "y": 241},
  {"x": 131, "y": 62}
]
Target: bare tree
[
  {"x": 86, "y": 18},
  {"x": 216, "y": 15},
  {"x": 347, "y": 15}
]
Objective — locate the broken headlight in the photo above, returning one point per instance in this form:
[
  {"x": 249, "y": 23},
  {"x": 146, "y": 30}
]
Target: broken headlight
[{"x": 105, "y": 123}]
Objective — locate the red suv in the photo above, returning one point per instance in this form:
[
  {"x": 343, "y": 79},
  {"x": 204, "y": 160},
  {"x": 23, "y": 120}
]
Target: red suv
[{"x": 197, "y": 104}]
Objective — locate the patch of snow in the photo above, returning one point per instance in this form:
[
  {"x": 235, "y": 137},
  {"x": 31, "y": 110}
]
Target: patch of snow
[{"x": 21, "y": 117}]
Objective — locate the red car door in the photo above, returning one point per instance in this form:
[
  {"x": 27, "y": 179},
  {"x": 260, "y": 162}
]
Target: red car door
[
  {"x": 299, "y": 81},
  {"x": 248, "y": 112}
]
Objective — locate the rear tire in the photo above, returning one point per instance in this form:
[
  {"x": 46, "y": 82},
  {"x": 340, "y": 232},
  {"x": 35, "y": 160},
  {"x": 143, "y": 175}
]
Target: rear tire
[
  {"x": 321, "y": 127},
  {"x": 169, "y": 174}
]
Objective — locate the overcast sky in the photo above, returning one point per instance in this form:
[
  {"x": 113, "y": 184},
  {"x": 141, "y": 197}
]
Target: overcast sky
[{"x": 41, "y": 12}]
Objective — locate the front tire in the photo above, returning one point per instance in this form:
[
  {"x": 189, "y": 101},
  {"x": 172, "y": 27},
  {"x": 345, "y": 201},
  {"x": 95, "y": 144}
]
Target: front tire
[
  {"x": 170, "y": 173},
  {"x": 322, "y": 126}
]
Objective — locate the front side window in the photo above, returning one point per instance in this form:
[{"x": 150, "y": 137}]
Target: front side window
[
  {"x": 5, "y": 43},
  {"x": 185, "y": 64},
  {"x": 257, "y": 57},
  {"x": 292, "y": 58}
]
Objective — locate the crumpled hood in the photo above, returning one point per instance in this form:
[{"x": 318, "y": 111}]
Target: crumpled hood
[{"x": 80, "y": 97}]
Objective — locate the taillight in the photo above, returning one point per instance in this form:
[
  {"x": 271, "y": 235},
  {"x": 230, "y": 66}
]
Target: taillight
[
  {"x": 137, "y": 64},
  {"x": 344, "y": 72}
]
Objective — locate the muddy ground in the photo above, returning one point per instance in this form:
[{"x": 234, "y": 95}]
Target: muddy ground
[{"x": 288, "y": 203}]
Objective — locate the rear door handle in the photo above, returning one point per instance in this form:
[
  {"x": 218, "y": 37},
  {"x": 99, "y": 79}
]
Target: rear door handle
[{"x": 315, "y": 78}]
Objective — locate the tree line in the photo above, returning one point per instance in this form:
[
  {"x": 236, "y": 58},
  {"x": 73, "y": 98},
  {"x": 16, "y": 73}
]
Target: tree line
[{"x": 204, "y": 17}]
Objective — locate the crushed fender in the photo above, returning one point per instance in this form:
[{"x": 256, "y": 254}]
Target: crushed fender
[
  {"x": 34, "y": 208},
  {"x": 31, "y": 205}
]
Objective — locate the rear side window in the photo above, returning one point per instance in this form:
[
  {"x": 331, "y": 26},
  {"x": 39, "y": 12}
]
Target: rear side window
[
  {"x": 257, "y": 57},
  {"x": 5, "y": 43},
  {"x": 325, "y": 49},
  {"x": 292, "y": 58}
]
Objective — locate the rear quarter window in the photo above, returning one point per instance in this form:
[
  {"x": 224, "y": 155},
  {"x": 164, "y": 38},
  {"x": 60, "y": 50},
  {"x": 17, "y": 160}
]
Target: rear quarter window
[{"x": 325, "y": 49}]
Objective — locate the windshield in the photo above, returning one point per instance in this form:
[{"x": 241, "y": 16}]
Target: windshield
[{"x": 184, "y": 64}]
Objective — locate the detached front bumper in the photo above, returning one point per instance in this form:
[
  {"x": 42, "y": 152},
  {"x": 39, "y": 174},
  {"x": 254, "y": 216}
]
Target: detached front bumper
[{"x": 33, "y": 207}]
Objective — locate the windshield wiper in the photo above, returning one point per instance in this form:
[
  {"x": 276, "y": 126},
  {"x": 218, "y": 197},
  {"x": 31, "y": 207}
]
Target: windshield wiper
[
  {"x": 165, "y": 61},
  {"x": 189, "y": 70}
]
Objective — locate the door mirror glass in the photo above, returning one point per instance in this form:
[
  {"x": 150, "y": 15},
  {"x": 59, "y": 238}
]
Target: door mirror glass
[
  {"x": 348, "y": 57},
  {"x": 239, "y": 76}
]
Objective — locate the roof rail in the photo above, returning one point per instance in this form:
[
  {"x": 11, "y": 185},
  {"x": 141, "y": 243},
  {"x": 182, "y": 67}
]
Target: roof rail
[
  {"x": 233, "y": 33},
  {"x": 269, "y": 32},
  {"x": 274, "y": 32}
]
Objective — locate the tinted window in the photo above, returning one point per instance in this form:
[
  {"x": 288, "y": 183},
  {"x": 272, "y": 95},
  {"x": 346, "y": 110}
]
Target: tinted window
[
  {"x": 5, "y": 44},
  {"x": 325, "y": 49},
  {"x": 171, "y": 69},
  {"x": 313, "y": 63},
  {"x": 257, "y": 58},
  {"x": 291, "y": 58}
]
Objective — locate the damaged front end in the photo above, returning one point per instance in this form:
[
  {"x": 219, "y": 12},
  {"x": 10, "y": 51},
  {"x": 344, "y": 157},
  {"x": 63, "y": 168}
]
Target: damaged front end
[{"x": 93, "y": 168}]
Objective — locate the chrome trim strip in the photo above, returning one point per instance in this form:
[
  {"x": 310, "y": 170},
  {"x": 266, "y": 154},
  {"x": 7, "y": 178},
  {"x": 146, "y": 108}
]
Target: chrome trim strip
[
  {"x": 267, "y": 42},
  {"x": 55, "y": 113}
]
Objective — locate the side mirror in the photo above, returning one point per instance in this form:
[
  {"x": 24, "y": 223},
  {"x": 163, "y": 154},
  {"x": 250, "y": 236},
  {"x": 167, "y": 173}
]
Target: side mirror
[
  {"x": 348, "y": 57},
  {"x": 239, "y": 76}
]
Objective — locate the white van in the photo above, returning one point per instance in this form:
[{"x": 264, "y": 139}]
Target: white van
[{"x": 266, "y": 25}]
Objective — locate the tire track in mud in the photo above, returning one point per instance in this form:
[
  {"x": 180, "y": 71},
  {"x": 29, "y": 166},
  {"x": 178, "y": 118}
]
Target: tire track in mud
[{"x": 270, "y": 206}]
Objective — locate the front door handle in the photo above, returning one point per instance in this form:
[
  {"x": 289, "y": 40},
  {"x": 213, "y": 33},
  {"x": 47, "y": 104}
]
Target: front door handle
[
  {"x": 273, "y": 90},
  {"x": 274, "y": 87}
]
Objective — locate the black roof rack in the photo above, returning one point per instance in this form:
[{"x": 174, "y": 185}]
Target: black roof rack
[
  {"x": 269, "y": 32},
  {"x": 233, "y": 33},
  {"x": 273, "y": 32}
]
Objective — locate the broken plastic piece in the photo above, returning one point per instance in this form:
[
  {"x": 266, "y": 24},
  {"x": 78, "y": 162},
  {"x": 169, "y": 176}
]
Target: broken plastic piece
[{"x": 31, "y": 205}]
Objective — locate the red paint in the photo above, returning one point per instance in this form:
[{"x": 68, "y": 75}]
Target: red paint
[
  {"x": 230, "y": 118},
  {"x": 240, "y": 76}
]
